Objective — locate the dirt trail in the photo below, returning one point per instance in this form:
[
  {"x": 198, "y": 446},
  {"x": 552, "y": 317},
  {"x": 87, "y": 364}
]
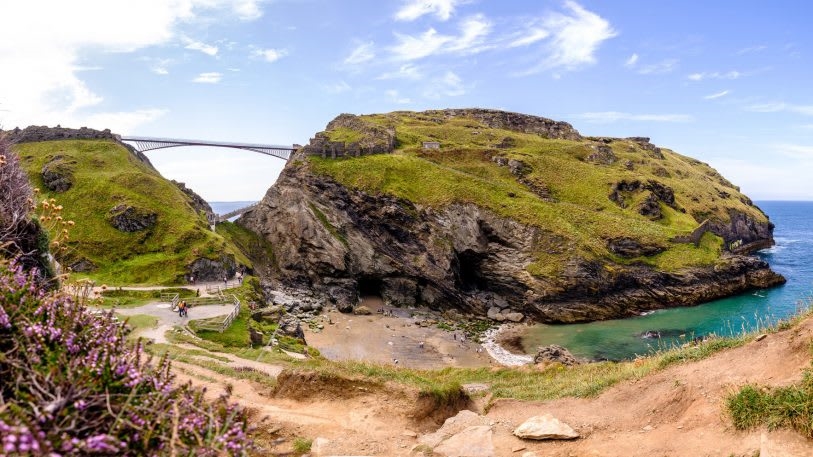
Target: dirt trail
[{"x": 675, "y": 412}]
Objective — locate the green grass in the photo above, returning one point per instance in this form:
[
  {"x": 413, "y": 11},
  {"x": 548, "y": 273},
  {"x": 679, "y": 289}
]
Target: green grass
[
  {"x": 782, "y": 407},
  {"x": 254, "y": 249},
  {"x": 106, "y": 175},
  {"x": 236, "y": 336},
  {"x": 581, "y": 220},
  {"x": 140, "y": 322},
  {"x": 302, "y": 445}
]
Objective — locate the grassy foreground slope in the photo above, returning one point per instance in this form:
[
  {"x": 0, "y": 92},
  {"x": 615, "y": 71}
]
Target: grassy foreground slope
[
  {"x": 105, "y": 175},
  {"x": 578, "y": 211}
]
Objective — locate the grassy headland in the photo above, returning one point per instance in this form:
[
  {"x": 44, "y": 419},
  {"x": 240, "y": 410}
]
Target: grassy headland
[
  {"x": 105, "y": 175},
  {"x": 578, "y": 213}
]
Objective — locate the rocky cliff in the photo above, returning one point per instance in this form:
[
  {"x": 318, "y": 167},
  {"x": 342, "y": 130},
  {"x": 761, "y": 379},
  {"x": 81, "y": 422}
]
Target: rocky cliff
[{"x": 512, "y": 216}]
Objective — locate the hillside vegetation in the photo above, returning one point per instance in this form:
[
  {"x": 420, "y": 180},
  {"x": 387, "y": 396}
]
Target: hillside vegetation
[
  {"x": 106, "y": 181},
  {"x": 562, "y": 186}
]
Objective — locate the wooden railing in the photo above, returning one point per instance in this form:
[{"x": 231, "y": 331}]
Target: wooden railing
[
  {"x": 173, "y": 299},
  {"x": 219, "y": 327}
]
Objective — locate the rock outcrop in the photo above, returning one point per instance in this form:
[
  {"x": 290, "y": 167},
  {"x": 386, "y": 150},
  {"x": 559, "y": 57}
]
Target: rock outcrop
[
  {"x": 336, "y": 241},
  {"x": 197, "y": 202},
  {"x": 57, "y": 174},
  {"x": 127, "y": 218},
  {"x": 555, "y": 353}
]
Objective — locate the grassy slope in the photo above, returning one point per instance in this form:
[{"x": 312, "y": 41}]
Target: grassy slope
[
  {"x": 583, "y": 216},
  {"x": 106, "y": 174}
]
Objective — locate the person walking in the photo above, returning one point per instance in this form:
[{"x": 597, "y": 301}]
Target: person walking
[{"x": 182, "y": 308}]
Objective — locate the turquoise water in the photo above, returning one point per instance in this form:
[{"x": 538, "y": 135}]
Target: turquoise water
[{"x": 621, "y": 339}]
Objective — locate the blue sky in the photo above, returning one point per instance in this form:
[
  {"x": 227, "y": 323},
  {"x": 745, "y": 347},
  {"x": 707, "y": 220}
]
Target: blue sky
[{"x": 725, "y": 82}]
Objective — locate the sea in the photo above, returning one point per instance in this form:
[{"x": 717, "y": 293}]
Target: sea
[{"x": 621, "y": 339}]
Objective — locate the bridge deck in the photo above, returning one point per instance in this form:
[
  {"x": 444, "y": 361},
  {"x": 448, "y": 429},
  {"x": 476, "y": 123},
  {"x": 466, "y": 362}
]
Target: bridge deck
[{"x": 144, "y": 144}]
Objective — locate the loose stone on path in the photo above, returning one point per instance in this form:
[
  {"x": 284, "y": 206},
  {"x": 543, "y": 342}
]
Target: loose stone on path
[{"x": 545, "y": 427}]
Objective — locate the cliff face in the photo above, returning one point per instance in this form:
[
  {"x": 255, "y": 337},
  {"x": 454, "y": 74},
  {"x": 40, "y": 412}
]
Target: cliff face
[{"x": 341, "y": 239}]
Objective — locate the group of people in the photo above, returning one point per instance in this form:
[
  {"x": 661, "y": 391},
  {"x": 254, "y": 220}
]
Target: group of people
[{"x": 183, "y": 309}]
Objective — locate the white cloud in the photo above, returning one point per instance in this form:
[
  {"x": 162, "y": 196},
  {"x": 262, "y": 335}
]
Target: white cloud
[
  {"x": 473, "y": 31},
  {"x": 46, "y": 86},
  {"x": 396, "y": 98},
  {"x": 614, "y": 116},
  {"x": 200, "y": 46},
  {"x": 337, "y": 88},
  {"x": 575, "y": 37},
  {"x": 530, "y": 36},
  {"x": 270, "y": 55},
  {"x": 413, "y": 9},
  {"x": 716, "y": 95},
  {"x": 211, "y": 77},
  {"x": 448, "y": 85},
  {"x": 160, "y": 70},
  {"x": 775, "y": 180},
  {"x": 125, "y": 122},
  {"x": 776, "y": 107},
  {"x": 751, "y": 49},
  {"x": 406, "y": 71},
  {"x": 715, "y": 75},
  {"x": 363, "y": 53},
  {"x": 631, "y": 61},
  {"x": 795, "y": 151},
  {"x": 664, "y": 66}
]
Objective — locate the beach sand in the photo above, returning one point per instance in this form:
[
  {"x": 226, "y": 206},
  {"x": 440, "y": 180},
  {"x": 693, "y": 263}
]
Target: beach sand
[{"x": 395, "y": 335}]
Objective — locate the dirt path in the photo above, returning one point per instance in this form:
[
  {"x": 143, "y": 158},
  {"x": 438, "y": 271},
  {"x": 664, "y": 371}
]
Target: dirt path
[
  {"x": 676, "y": 412},
  {"x": 167, "y": 319}
]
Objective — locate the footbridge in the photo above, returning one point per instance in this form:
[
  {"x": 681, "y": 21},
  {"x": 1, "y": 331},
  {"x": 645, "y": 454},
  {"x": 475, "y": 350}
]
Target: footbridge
[
  {"x": 215, "y": 218},
  {"x": 144, "y": 144}
]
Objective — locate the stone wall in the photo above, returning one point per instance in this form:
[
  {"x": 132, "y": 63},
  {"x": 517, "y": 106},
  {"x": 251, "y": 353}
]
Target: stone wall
[{"x": 695, "y": 236}]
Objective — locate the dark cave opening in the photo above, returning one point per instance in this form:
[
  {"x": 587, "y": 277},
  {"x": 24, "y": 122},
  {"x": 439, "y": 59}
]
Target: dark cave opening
[
  {"x": 370, "y": 286},
  {"x": 467, "y": 270}
]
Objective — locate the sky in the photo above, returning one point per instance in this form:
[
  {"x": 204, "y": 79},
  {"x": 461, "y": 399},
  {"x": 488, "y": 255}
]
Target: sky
[{"x": 726, "y": 82}]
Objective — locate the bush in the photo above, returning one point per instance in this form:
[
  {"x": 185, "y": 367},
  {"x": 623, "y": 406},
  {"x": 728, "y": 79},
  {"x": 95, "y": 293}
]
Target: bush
[{"x": 71, "y": 385}]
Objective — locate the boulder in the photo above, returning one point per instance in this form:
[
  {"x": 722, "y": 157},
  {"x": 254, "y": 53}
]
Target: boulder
[
  {"x": 82, "y": 265},
  {"x": 602, "y": 155},
  {"x": 270, "y": 314},
  {"x": 554, "y": 353},
  {"x": 127, "y": 218},
  {"x": 320, "y": 446},
  {"x": 362, "y": 310},
  {"x": 545, "y": 427},
  {"x": 495, "y": 313},
  {"x": 476, "y": 441},
  {"x": 255, "y": 336},
  {"x": 452, "y": 426},
  {"x": 290, "y": 326},
  {"x": 512, "y": 316}
]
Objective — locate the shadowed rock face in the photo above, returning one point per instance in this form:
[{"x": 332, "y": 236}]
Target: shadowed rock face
[{"x": 462, "y": 256}]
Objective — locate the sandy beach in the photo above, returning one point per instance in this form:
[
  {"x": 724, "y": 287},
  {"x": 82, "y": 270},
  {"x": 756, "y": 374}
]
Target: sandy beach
[{"x": 396, "y": 337}]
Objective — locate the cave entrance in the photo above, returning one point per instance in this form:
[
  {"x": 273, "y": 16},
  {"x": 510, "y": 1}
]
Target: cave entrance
[
  {"x": 370, "y": 292},
  {"x": 468, "y": 273}
]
